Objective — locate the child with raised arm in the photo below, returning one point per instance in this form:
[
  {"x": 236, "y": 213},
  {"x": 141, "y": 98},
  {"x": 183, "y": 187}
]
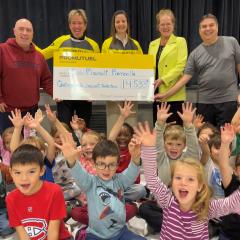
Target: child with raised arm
[
  {"x": 106, "y": 205},
  {"x": 79, "y": 127},
  {"x": 5, "y": 151},
  {"x": 229, "y": 226},
  {"x": 171, "y": 141},
  {"x": 36, "y": 208},
  {"x": 34, "y": 123},
  {"x": 121, "y": 133},
  {"x": 187, "y": 207},
  {"x": 61, "y": 173},
  {"x": 89, "y": 141}
]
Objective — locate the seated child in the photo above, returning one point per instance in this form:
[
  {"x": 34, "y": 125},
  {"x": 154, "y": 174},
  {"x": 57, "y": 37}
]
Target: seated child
[
  {"x": 204, "y": 133},
  {"x": 106, "y": 205},
  {"x": 229, "y": 226},
  {"x": 187, "y": 206},
  {"x": 36, "y": 208},
  {"x": 61, "y": 173},
  {"x": 48, "y": 150},
  {"x": 5, "y": 230},
  {"x": 5, "y": 151},
  {"x": 121, "y": 133},
  {"x": 212, "y": 170},
  {"x": 171, "y": 142},
  {"x": 89, "y": 141}
]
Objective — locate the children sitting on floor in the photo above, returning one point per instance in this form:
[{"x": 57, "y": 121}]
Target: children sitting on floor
[
  {"x": 105, "y": 191},
  {"x": 36, "y": 208}
]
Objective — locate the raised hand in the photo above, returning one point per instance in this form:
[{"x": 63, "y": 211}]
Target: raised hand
[
  {"x": 203, "y": 143},
  {"x": 39, "y": 116},
  {"x": 126, "y": 110},
  {"x": 50, "y": 114},
  {"x": 78, "y": 123},
  {"x": 68, "y": 148},
  {"x": 163, "y": 113},
  {"x": 198, "y": 121},
  {"x": 187, "y": 113},
  {"x": 145, "y": 135},
  {"x": 16, "y": 118},
  {"x": 27, "y": 119},
  {"x": 3, "y": 107},
  {"x": 74, "y": 123},
  {"x": 35, "y": 122},
  {"x": 227, "y": 133},
  {"x": 134, "y": 148}
]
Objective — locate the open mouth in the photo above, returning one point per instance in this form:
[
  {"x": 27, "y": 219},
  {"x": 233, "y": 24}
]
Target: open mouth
[
  {"x": 25, "y": 186},
  {"x": 122, "y": 145},
  {"x": 183, "y": 193},
  {"x": 173, "y": 154},
  {"x": 88, "y": 154},
  {"x": 106, "y": 175}
]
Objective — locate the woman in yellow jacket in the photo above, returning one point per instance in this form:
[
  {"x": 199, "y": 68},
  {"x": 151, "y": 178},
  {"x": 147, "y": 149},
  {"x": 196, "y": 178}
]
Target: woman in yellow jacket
[
  {"x": 170, "y": 53},
  {"x": 120, "y": 42},
  {"x": 76, "y": 41}
]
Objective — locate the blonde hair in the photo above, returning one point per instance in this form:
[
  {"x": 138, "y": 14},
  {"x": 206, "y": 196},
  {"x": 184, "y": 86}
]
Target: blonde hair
[
  {"x": 201, "y": 204},
  {"x": 6, "y": 132},
  {"x": 168, "y": 12},
  {"x": 96, "y": 135},
  {"x": 35, "y": 141},
  {"x": 175, "y": 132},
  {"x": 79, "y": 12},
  {"x": 54, "y": 130}
]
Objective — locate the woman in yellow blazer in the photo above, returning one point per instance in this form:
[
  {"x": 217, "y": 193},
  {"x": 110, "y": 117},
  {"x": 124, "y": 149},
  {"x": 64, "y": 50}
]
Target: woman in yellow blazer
[
  {"x": 120, "y": 42},
  {"x": 170, "y": 53}
]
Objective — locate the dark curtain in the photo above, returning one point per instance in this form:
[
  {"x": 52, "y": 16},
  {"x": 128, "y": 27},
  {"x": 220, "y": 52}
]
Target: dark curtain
[{"x": 49, "y": 17}]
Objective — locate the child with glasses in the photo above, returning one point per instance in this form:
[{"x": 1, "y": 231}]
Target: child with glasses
[
  {"x": 106, "y": 205},
  {"x": 88, "y": 142}
]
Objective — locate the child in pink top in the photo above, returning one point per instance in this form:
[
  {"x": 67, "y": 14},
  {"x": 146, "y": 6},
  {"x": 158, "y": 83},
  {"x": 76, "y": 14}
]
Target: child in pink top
[{"x": 5, "y": 145}]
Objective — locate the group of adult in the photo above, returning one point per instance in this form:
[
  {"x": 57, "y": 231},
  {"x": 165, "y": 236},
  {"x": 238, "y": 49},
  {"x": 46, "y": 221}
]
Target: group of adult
[{"x": 23, "y": 69}]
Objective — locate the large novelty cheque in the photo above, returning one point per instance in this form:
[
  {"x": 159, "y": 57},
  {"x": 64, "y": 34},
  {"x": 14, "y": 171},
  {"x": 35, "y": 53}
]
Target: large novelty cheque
[{"x": 96, "y": 76}]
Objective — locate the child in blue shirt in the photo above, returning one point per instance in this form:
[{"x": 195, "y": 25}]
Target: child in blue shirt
[{"x": 105, "y": 191}]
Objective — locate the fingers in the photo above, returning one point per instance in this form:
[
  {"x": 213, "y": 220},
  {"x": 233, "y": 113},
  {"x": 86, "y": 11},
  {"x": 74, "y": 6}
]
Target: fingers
[
  {"x": 157, "y": 83},
  {"x": 159, "y": 96},
  {"x": 2, "y": 107}
]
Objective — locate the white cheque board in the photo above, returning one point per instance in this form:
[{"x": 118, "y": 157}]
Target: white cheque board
[{"x": 89, "y": 76}]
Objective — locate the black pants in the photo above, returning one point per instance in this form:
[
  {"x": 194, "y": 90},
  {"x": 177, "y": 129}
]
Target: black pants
[
  {"x": 174, "y": 107},
  {"x": 66, "y": 109},
  {"x": 153, "y": 214},
  {"x": 219, "y": 113}
]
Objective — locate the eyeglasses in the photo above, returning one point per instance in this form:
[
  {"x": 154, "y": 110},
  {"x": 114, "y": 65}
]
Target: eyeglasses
[{"x": 102, "y": 166}]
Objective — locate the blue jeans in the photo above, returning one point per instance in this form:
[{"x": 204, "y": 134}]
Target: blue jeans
[
  {"x": 123, "y": 235},
  {"x": 4, "y": 224},
  {"x": 5, "y": 121}
]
